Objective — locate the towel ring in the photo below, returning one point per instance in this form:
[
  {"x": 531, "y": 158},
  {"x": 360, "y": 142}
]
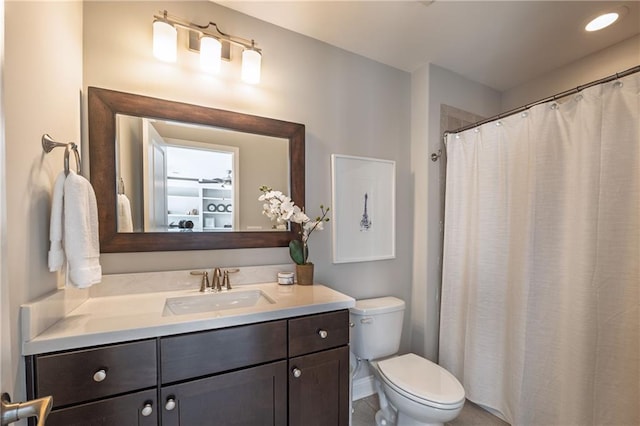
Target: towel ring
[
  {"x": 48, "y": 144},
  {"x": 71, "y": 147}
]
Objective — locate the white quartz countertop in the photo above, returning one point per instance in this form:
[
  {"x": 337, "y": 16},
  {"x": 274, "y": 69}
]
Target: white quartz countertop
[{"x": 124, "y": 317}]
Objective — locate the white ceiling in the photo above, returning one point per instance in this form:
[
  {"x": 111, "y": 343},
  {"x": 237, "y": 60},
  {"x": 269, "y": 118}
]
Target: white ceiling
[{"x": 501, "y": 44}]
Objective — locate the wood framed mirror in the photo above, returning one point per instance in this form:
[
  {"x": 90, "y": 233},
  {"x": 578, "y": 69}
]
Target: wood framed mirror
[{"x": 104, "y": 106}]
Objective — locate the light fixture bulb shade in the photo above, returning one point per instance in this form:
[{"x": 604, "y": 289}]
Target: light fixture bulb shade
[
  {"x": 251, "y": 63},
  {"x": 210, "y": 54},
  {"x": 165, "y": 41},
  {"x": 602, "y": 21}
]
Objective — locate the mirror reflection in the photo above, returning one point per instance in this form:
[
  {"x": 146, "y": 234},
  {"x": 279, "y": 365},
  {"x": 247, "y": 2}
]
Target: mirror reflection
[{"x": 182, "y": 177}]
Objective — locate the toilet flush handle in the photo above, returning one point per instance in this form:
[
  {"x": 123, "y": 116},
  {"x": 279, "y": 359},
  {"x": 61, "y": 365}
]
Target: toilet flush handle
[{"x": 367, "y": 320}]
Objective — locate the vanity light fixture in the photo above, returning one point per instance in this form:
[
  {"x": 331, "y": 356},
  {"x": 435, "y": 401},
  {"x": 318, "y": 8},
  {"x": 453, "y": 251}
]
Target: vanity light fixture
[
  {"x": 213, "y": 45},
  {"x": 210, "y": 54},
  {"x": 251, "y": 61},
  {"x": 165, "y": 39}
]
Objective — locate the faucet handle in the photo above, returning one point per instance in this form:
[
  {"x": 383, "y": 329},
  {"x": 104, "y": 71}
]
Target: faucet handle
[
  {"x": 204, "y": 284},
  {"x": 225, "y": 280}
]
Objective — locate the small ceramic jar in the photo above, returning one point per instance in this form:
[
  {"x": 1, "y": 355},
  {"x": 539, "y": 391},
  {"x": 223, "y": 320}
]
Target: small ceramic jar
[{"x": 285, "y": 278}]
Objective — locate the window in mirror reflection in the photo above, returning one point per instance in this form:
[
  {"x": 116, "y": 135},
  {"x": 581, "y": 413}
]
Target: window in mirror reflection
[{"x": 181, "y": 177}]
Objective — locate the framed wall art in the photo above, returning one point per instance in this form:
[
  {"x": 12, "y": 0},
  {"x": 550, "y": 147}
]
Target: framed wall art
[{"x": 364, "y": 208}]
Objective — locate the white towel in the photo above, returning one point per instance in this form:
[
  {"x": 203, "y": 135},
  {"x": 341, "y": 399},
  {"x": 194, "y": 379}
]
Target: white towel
[
  {"x": 125, "y": 223},
  {"x": 81, "y": 242},
  {"x": 56, "y": 252}
]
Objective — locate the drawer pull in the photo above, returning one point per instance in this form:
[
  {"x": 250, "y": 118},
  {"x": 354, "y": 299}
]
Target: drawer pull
[
  {"x": 296, "y": 372},
  {"x": 323, "y": 334},
  {"x": 171, "y": 403},
  {"x": 147, "y": 409},
  {"x": 100, "y": 375}
]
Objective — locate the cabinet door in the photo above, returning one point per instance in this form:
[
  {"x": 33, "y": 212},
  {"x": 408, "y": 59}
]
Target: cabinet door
[
  {"x": 252, "y": 397},
  {"x": 319, "y": 388},
  {"x": 138, "y": 409}
]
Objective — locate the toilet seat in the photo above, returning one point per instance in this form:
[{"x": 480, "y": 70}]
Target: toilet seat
[{"x": 422, "y": 381}]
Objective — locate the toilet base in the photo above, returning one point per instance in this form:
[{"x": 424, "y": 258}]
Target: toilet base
[
  {"x": 404, "y": 420},
  {"x": 398, "y": 410},
  {"x": 382, "y": 419}
]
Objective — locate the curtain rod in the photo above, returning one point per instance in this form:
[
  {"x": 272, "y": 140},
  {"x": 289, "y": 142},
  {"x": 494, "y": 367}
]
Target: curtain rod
[{"x": 547, "y": 99}]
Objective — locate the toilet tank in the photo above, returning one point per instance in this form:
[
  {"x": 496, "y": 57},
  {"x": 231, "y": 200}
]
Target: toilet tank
[{"x": 377, "y": 327}]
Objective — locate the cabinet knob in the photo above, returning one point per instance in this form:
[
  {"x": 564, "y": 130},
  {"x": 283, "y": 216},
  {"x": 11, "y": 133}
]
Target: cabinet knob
[
  {"x": 296, "y": 372},
  {"x": 323, "y": 334},
  {"x": 171, "y": 404},
  {"x": 100, "y": 375},
  {"x": 147, "y": 409}
]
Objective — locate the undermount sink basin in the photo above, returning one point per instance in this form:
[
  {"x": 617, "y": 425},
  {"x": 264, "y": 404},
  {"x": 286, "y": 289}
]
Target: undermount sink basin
[{"x": 211, "y": 302}]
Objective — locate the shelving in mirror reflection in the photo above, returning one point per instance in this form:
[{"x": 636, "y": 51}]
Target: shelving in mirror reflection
[{"x": 176, "y": 174}]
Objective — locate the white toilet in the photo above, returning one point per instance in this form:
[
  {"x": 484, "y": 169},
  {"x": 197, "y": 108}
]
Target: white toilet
[{"x": 413, "y": 391}]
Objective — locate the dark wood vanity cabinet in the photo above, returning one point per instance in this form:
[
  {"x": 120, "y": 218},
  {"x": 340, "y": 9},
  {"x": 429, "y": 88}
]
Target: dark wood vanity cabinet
[
  {"x": 89, "y": 385},
  {"x": 252, "y": 389},
  {"x": 137, "y": 409},
  {"x": 287, "y": 372},
  {"x": 319, "y": 370},
  {"x": 251, "y": 396}
]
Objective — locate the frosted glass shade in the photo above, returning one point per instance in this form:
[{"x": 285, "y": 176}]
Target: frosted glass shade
[
  {"x": 210, "y": 54},
  {"x": 165, "y": 41},
  {"x": 251, "y": 62}
]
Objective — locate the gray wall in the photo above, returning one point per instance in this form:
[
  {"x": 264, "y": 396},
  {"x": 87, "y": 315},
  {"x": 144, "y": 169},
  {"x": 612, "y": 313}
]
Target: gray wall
[
  {"x": 42, "y": 84},
  {"x": 433, "y": 86}
]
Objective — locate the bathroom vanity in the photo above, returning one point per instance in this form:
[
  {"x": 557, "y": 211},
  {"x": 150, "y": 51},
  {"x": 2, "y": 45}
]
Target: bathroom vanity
[{"x": 261, "y": 365}]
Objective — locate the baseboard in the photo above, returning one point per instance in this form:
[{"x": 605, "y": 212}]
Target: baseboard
[{"x": 362, "y": 388}]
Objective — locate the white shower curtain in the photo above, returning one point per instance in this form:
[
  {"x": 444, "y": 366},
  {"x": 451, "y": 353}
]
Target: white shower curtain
[{"x": 540, "y": 316}]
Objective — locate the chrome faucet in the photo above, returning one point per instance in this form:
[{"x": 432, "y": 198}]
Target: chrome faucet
[{"x": 215, "y": 284}]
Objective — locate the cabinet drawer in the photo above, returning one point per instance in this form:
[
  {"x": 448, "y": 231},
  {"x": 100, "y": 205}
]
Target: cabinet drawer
[
  {"x": 318, "y": 332},
  {"x": 71, "y": 377},
  {"x": 201, "y": 354},
  {"x": 138, "y": 409}
]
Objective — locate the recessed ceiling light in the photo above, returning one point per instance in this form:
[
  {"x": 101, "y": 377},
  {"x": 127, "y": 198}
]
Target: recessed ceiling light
[{"x": 602, "y": 21}]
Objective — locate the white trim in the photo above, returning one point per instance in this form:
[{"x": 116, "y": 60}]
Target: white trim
[{"x": 362, "y": 388}]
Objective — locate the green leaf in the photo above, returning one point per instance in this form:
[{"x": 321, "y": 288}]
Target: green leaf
[{"x": 297, "y": 252}]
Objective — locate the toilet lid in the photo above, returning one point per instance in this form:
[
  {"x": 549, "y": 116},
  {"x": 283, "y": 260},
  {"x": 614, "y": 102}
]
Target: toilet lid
[{"x": 422, "y": 380}]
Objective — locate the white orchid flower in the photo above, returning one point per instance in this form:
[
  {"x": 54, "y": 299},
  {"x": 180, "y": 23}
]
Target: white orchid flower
[{"x": 281, "y": 209}]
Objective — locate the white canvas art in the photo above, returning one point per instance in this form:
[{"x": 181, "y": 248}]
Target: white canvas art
[{"x": 363, "y": 208}]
